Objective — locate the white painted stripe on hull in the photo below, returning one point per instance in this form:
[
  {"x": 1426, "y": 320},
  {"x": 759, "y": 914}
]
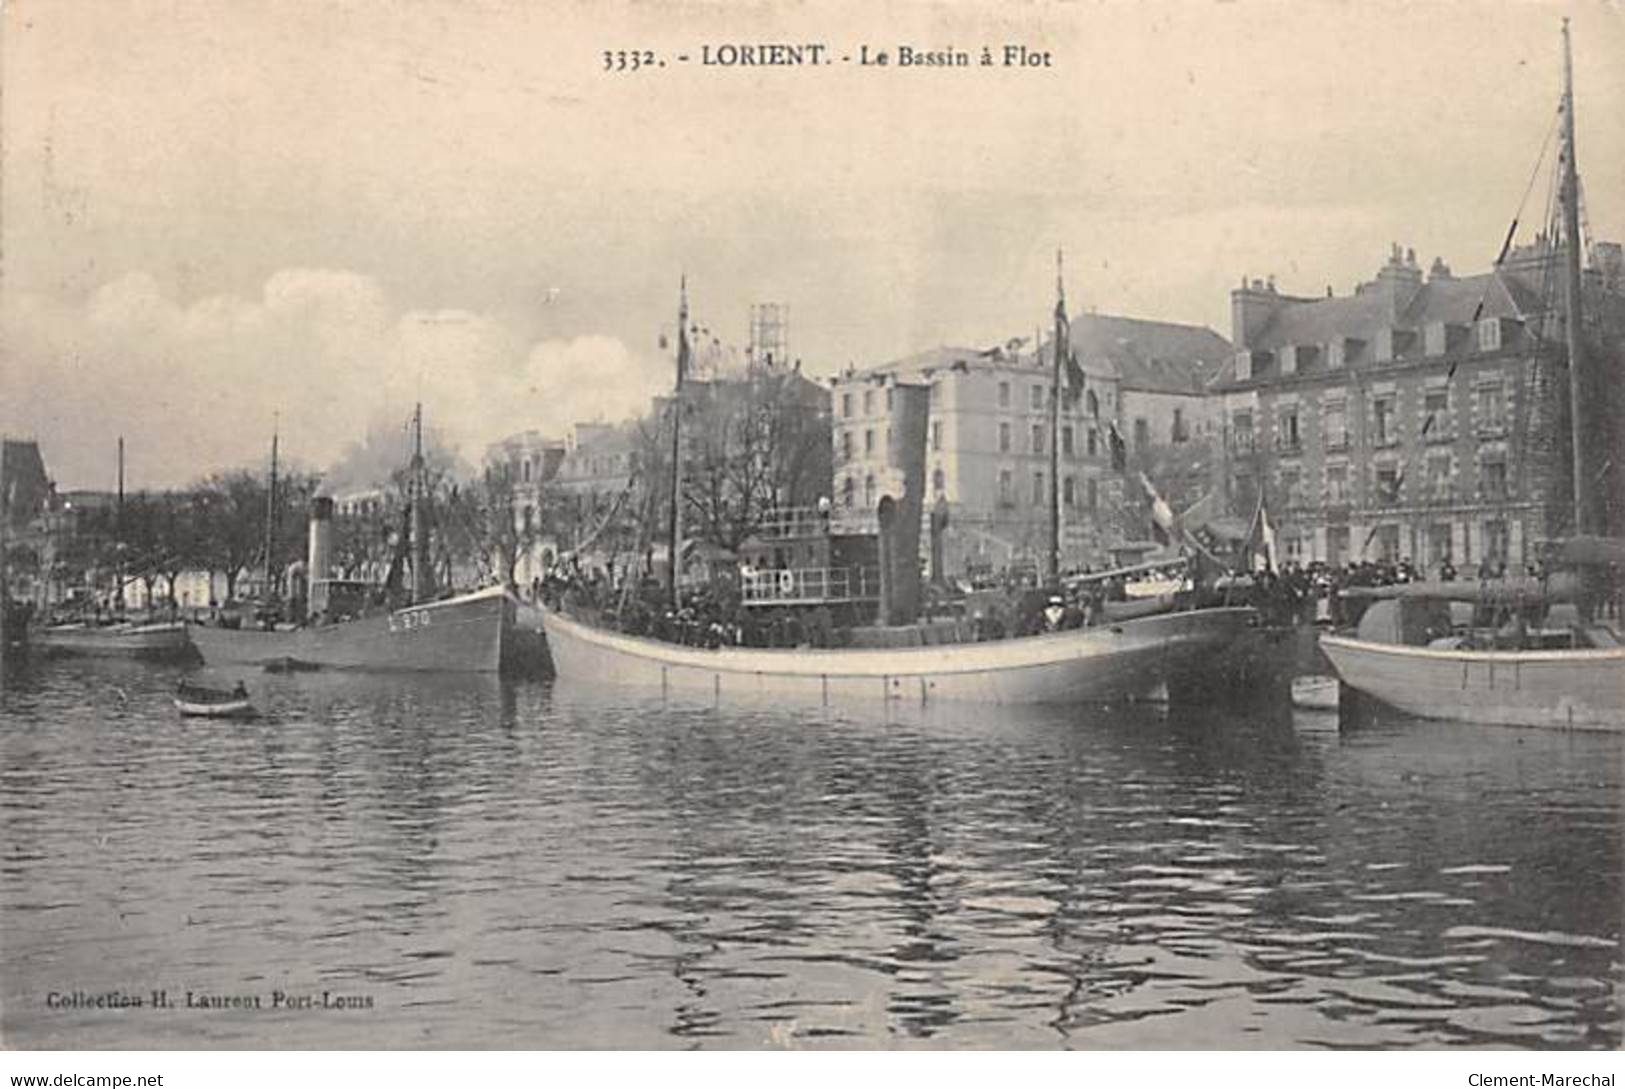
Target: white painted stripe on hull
[{"x": 1568, "y": 689}]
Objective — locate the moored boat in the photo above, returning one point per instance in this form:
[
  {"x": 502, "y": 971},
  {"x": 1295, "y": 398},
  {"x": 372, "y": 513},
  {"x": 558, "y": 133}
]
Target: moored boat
[
  {"x": 124, "y": 640},
  {"x": 462, "y": 634},
  {"x": 1315, "y": 692},
  {"x": 1106, "y": 662},
  {"x": 1522, "y": 668}
]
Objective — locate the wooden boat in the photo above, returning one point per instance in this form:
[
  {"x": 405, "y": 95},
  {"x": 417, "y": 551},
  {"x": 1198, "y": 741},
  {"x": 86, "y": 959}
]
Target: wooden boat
[
  {"x": 461, "y": 634},
  {"x": 125, "y": 640},
  {"x": 195, "y": 701},
  {"x": 1569, "y": 688},
  {"x": 1112, "y": 661},
  {"x": 1573, "y": 676}
]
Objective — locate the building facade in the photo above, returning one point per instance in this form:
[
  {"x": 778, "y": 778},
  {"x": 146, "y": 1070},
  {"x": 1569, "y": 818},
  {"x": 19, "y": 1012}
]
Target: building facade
[
  {"x": 988, "y": 454},
  {"x": 1418, "y": 418}
]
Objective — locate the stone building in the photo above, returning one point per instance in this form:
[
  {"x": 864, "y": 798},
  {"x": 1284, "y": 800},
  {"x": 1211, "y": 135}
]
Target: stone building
[
  {"x": 1417, "y": 418},
  {"x": 988, "y": 456}
]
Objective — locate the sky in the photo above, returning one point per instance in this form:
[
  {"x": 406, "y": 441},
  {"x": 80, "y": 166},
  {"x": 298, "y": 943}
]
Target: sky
[{"x": 221, "y": 219}]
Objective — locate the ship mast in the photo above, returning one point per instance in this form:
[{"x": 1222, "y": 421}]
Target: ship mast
[
  {"x": 675, "y": 522},
  {"x": 1060, "y": 347},
  {"x": 420, "y": 552},
  {"x": 118, "y": 530},
  {"x": 270, "y": 519},
  {"x": 1585, "y": 520}
]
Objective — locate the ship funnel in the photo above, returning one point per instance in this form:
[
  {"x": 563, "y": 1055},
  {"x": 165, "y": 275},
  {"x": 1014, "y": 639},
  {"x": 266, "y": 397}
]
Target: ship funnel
[{"x": 320, "y": 556}]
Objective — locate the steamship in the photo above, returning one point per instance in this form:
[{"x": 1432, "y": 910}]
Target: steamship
[
  {"x": 348, "y": 626},
  {"x": 1125, "y": 658}
]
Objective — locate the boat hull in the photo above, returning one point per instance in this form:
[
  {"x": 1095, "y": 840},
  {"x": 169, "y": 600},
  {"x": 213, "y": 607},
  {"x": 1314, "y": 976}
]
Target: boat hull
[
  {"x": 460, "y": 635},
  {"x": 116, "y": 641},
  {"x": 1566, "y": 689},
  {"x": 1089, "y": 664},
  {"x": 229, "y": 709}
]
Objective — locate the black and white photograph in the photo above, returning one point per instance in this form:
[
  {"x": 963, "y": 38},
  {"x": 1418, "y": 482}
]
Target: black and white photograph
[{"x": 776, "y": 526}]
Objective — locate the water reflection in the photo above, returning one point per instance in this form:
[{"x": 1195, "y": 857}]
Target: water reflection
[{"x": 518, "y": 865}]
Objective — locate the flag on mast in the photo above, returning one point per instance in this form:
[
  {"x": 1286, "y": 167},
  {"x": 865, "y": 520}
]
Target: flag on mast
[
  {"x": 1068, "y": 374},
  {"x": 1266, "y": 559},
  {"x": 1162, "y": 515}
]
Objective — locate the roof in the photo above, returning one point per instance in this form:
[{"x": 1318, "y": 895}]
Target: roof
[{"x": 1155, "y": 356}]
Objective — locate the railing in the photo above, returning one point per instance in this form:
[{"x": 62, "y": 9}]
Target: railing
[
  {"x": 810, "y": 586},
  {"x": 794, "y": 522}
]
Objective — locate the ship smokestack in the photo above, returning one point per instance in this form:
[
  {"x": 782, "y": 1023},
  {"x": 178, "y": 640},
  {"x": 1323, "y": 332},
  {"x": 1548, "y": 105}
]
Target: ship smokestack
[{"x": 319, "y": 560}]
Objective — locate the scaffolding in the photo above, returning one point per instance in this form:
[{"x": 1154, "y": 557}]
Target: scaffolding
[{"x": 769, "y": 335}]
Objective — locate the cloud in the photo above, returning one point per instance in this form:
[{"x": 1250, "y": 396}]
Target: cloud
[{"x": 323, "y": 354}]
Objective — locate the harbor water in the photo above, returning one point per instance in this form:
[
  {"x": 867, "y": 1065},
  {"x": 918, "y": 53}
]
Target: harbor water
[{"x": 465, "y": 862}]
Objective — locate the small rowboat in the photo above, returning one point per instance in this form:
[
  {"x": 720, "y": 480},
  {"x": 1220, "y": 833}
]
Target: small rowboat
[
  {"x": 1315, "y": 692},
  {"x": 197, "y": 702}
]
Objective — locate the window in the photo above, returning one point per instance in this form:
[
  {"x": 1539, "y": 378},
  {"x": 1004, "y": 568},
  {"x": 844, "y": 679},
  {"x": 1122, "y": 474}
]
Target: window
[
  {"x": 846, "y": 445},
  {"x": 1066, "y": 440},
  {"x": 1495, "y": 541},
  {"x": 1068, "y": 496},
  {"x": 1337, "y": 484},
  {"x": 1436, "y": 414},
  {"x": 936, "y": 434},
  {"x": 1091, "y": 493},
  {"x": 869, "y": 491},
  {"x": 848, "y": 492},
  {"x": 1038, "y": 438},
  {"x": 1492, "y": 476},
  {"x": 524, "y": 470},
  {"x": 1289, "y": 487},
  {"x": 1179, "y": 432},
  {"x": 1005, "y": 488},
  {"x": 888, "y": 399},
  {"x": 1337, "y": 545},
  {"x": 1388, "y": 479},
  {"x": 1334, "y": 426},
  {"x": 1438, "y": 544},
  {"x": 1241, "y": 431},
  {"x": 1289, "y": 439},
  {"x": 1094, "y": 442},
  {"x": 846, "y": 405},
  {"x": 1004, "y": 438},
  {"x": 1142, "y": 433},
  {"x": 1388, "y": 544},
  {"x": 868, "y": 440},
  {"x": 1439, "y": 476},
  {"x": 1038, "y": 397},
  {"x": 1094, "y": 405},
  {"x": 1491, "y": 408},
  {"x": 530, "y": 518},
  {"x": 1039, "y": 498},
  {"x": 1382, "y": 421},
  {"x": 1004, "y": 394},
  {"x": 868, "y": 402},
  {"x": 939, "y": 483}
]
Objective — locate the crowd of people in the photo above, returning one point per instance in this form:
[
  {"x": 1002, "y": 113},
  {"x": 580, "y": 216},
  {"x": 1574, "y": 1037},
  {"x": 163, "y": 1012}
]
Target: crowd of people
[{"x": 1010, "y": 605}]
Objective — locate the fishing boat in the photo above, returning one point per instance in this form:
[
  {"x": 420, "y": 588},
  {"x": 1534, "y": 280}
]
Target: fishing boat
[
  {"x": 1315, "y": 692},
  {"x": 354, "y": 625},
  {"x": 119, "y": 640},
  {"x": 1103, "y": 663},
  {"x": 1409, "y": 653},
  {"x": 116, "y": 637},
  {"x": 1117, "y": 658},
  {"x": 195, "y": 701}
]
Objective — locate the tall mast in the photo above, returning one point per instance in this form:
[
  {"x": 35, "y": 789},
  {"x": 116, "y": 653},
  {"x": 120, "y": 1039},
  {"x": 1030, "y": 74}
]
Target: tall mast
[
  {"x": 1061, "y": 347},
  {"x": 1584, "y": 502},
  {"x": 270, "y": 518},
  {"x": 118, "y": 529},
  {"x": 674, "y": 537},
  {"x": 420, "y": 551}
]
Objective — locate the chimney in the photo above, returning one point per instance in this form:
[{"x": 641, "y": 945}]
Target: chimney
[
  {"x": 1439, "y": 271},
  {"x": 1399, "y": 279},
  {"x": 319, "y": 559},
  {"x": 1251, "y": 307}
]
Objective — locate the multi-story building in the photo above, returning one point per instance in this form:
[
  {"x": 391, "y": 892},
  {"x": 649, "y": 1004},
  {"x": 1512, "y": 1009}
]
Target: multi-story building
[
  {"x": 988, "y": 452},
  {"x": 1416, "y": 418}
]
